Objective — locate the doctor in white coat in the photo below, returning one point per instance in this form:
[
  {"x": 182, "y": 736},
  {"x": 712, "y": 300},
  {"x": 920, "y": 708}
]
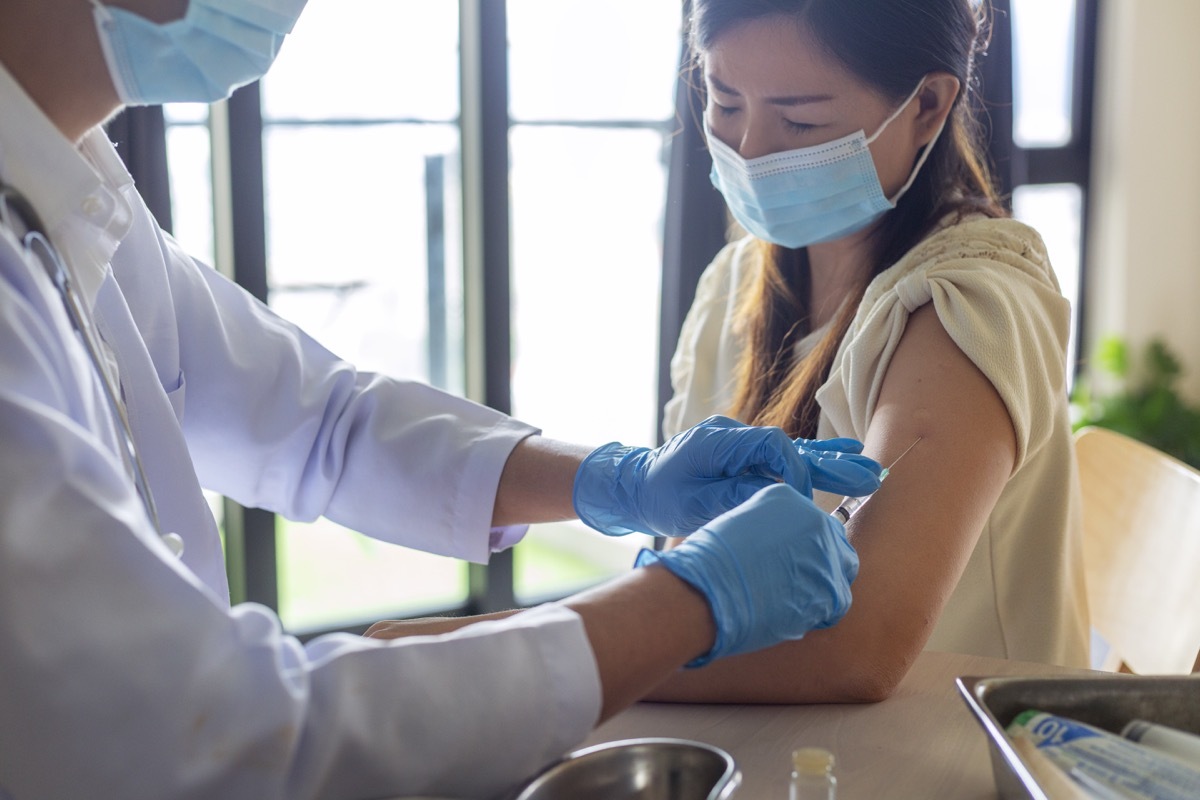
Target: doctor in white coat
[{"x": 131, "y": 376}]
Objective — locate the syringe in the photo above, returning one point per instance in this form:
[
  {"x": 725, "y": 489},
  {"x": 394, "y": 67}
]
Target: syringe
[{"x": 850, "y": 505}]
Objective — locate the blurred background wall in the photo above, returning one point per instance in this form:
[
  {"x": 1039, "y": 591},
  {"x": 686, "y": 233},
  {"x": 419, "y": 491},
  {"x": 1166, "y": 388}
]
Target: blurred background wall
[{"x": 1144, "y": 272}]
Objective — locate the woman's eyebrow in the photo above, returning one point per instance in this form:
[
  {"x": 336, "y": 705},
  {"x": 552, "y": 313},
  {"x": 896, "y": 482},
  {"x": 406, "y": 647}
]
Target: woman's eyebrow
[
  {"x": 721, "y": 87},
  {"x": 790, "y": 100}
]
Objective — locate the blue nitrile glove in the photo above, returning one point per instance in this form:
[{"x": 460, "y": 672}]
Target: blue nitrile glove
[
  {"x": 838, "y": 466},
  {"x": 706, "y": 470},
  {"x": 772, "y": 570}
]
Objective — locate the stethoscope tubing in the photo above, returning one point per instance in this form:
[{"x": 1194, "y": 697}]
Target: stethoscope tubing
[{"x": 37, "y": 244}]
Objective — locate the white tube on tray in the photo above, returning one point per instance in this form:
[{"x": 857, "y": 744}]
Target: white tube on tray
[
  {"x": 1097, "y": 758},
  {"x": 1181, "y": 744},
  {"x": 1054, "y": 782}
]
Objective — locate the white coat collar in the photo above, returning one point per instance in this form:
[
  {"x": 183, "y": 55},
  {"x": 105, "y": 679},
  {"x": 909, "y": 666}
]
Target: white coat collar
[{"x": 77, "y": 190}]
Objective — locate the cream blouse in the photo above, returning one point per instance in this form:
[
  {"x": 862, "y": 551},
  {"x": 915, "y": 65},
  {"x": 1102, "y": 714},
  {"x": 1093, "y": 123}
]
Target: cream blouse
[{"x": 1022, "y": 594}]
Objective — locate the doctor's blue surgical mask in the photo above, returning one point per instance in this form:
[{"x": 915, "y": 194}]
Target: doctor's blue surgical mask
[
  {"x": 812, "y": 194},
  {"x": 216, "y": 47}
]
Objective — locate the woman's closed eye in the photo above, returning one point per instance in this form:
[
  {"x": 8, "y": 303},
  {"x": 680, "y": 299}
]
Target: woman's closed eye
[{"x": 799, "y": 127}]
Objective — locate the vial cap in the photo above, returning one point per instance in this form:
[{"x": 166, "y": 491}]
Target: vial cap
[{"x": 812, "y": 761}]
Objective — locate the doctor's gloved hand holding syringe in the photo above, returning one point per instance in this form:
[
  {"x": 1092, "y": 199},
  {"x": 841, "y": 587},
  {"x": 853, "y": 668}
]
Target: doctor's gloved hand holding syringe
[{"x": 707, "y": 470}]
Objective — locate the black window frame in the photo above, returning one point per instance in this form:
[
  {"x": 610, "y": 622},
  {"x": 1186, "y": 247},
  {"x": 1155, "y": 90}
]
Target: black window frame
[{"x": 1015, "y": 166}]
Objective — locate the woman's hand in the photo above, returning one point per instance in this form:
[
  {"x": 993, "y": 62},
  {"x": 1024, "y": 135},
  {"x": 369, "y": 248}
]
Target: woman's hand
[{"x": 426, "y": 626}]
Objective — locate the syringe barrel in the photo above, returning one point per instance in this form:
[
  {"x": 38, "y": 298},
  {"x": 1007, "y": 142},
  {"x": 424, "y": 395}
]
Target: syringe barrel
[{"x": 847, "y": 507}]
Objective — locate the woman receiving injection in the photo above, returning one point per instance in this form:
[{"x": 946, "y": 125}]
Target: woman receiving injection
[{"x": 882, "y": 292}]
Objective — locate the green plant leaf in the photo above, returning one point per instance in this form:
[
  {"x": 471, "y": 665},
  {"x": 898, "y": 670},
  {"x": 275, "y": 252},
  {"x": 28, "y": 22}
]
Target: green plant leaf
[
  {"x": 1164, "y": 367},
  {"x": 1147, "y": 407},
  {"x": 1113, "y": 356}
]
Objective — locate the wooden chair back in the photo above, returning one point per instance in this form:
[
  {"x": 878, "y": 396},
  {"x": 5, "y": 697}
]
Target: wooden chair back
[{"x": 1141, "y": 523}]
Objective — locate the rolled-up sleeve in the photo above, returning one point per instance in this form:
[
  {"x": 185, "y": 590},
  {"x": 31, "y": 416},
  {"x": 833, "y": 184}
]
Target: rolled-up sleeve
[{"x": 274, "y": 420}]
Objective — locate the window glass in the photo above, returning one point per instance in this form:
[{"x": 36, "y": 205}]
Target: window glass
[
  {"x": 587, "y": 236},
  {"x": 350, "y": 249},
  {"x": 1056, "y": 211},
  {"x": 1043, "y": 68},
  {"x": 189, "y": 167},
  {"x": 185, "y": 113},
  {"x": 189, "y": 154},
  {"x": 583, "y": 60},
  {"x": 564, "y": 557},
  {"x": 368, "y": 59},
  {"x": 330, "y": 577},
  {"x": 361, "y": 162},
  {"x": 587, "y": 206}
]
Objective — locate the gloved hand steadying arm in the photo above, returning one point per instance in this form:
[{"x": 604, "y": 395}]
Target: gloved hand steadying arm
[
  {"x": 772, "y": 569},
  {"x": 705, "y": 471}
]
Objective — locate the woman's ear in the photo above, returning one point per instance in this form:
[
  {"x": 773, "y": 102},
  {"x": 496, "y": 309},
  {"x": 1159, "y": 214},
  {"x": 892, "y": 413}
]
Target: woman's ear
[{"x": 936, "y": 99}]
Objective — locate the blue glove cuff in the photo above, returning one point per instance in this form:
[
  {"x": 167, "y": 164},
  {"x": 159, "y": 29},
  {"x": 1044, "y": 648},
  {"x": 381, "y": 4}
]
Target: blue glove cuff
[
  {"x": 646, "y": 557},
  {"x": 599, "y": 496}
]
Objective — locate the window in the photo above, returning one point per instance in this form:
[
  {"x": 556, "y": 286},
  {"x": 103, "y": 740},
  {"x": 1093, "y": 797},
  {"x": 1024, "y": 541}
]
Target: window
[
  {"x": 589, "y": 137},
  {"x": 360, "y": 161},
  {"x": 343, "y": 187},
  {"x": 1043, "y": 33},
  {"x": 1048, "y": 166}
]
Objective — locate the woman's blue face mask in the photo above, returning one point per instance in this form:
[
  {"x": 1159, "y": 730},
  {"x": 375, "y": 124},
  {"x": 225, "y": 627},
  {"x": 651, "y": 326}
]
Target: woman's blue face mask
[{"x": 809, "y": 195}]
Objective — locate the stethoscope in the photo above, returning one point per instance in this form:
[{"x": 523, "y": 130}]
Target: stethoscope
[{"x": 14, "y": 207}]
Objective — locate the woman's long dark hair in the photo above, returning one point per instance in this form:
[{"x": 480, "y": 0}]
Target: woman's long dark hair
[{"x": 890, "y": 45}]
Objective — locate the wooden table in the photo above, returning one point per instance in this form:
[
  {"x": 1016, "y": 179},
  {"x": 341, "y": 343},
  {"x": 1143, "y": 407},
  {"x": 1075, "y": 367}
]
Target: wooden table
[{"x": 920, "y": 744}]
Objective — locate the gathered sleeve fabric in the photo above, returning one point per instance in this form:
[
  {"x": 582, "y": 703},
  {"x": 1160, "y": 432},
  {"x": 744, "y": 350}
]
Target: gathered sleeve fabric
[{"x": 996, "y": 295}]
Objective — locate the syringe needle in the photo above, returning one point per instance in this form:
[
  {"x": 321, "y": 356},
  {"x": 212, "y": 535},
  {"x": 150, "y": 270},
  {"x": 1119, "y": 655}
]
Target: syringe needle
[
  {"x": 849, "y": 505},
  {"x": 888, "y": 469}
]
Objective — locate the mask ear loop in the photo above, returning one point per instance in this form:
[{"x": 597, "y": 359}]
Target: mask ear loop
[
  {"x": 899, "y": 110},
  {"x": 920, "y": 163},
  {"x": 916, "y": 170}
]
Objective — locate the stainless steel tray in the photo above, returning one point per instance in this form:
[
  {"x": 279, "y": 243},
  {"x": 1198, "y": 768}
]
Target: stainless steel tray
[
  {"x": 638, "y": 769},
  {"x": 1105, "y": 701}
]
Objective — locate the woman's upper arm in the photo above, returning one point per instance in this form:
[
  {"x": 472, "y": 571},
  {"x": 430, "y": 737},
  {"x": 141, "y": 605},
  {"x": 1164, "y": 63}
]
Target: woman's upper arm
[{"x": 913, "y": 538}]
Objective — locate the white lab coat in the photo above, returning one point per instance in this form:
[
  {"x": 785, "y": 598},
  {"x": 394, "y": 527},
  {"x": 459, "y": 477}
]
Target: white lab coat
[{"x": 123, "y": 670}]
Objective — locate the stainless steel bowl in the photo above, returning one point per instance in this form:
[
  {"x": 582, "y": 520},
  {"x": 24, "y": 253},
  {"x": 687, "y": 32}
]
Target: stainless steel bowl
[
  {"x": 1104, "y": 701},
  {"x": 638, "y": 769}
]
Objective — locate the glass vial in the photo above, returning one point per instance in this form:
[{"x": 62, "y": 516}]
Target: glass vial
[{"x": 812, "y": 775}]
